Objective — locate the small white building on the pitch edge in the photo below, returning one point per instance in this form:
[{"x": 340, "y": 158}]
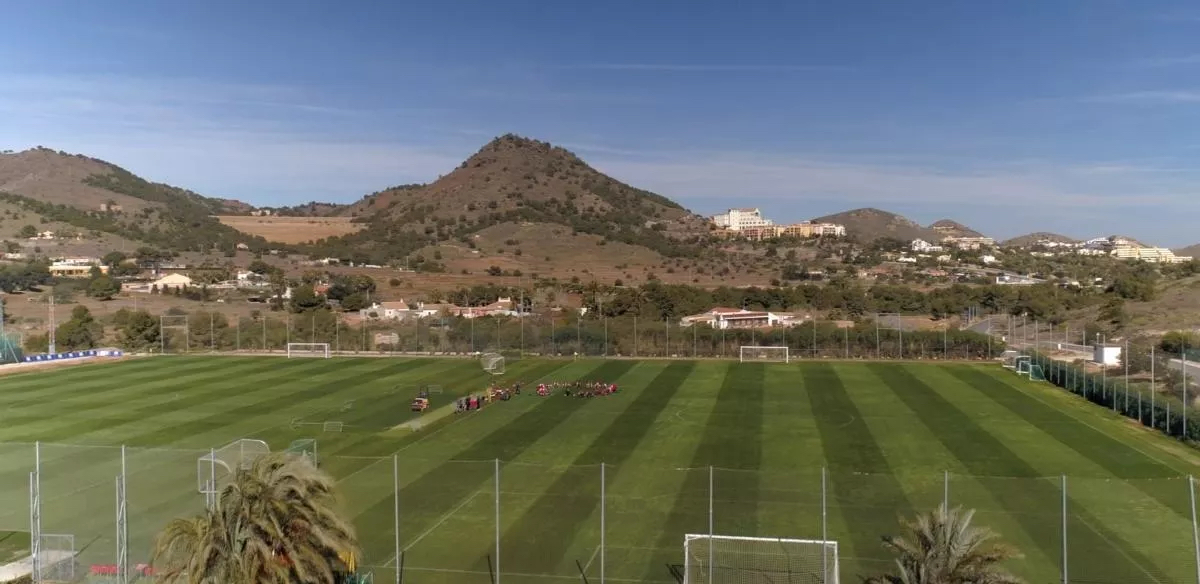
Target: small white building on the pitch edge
[{"x": 1107, "y": 355}]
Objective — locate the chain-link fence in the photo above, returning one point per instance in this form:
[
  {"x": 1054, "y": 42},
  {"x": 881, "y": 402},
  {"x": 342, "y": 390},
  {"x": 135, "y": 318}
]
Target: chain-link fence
[{"x": 486, "y": 520}]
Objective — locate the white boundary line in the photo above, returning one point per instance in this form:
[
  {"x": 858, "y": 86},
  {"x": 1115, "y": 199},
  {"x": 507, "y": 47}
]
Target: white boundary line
[
  {"x": 440, "y": 521},
  {"x": 588, "y": 565},
  {"x": 574, "y": 578}
]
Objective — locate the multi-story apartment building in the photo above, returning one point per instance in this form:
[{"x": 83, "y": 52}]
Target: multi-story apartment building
[
  {"x": 969, "y": 243},
  {"x": 740, "y": 219},
  {"x": 1157, "y": 255}
]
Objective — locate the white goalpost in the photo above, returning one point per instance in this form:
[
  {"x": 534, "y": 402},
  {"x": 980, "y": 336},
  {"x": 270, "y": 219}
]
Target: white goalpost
[
  {"x": 760, "y": 354},
  {"x": 721, "y": 559},
  {"x": 223, "y": 462},
  {"x": 319, "y": 350},
  {"x": 492, "y": 363}
]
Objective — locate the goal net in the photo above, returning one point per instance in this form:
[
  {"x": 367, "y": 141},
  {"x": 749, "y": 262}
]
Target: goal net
[
  {"x": 759, "y": 354},
  {"x": 219, "y": 465},
  {"x": 320, "y": 350},
  {"x": 304, "y": 448},
  {"x": 721, "y": 559},
  {"x": 56, "y": 558},
  {"x": 1009, "y": 359},
  {"x": 332, "y": 426},
  {"x": 1025, "y": 366},
  {"x": 492, "y": 363}
]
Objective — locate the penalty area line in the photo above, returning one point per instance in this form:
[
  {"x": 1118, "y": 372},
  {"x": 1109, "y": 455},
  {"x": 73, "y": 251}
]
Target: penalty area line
[{"x": 444, "y": 518}]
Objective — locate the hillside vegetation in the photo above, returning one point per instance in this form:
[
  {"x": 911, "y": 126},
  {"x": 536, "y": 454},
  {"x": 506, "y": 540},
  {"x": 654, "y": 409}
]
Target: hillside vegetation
[
  {"x": 92, "y": 195},
  {"x": 518, "y": 180}
]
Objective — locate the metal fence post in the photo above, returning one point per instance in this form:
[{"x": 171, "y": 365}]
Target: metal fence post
[
  {"x": 711, "y": 496},
  {"x": 946, "y": 490},
  {"x": 1064, "y": 529},
  {"x": 396, "y": 511},
  {"x": 602, "y": 520},
  {"x": 497, "y": 481},
  {"x": 824, "y": 530},
  {"x": 1195, "y": 533}
]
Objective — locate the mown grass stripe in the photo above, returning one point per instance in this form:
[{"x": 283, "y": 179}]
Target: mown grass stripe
[
  {"x": 115, "y": 416},
  {"x": 172, "y": 499},
  {"x": 537, "y": 540},
  {"x": 100, "y": 389},
  {"x": 442, "y": 488},
  {"x": 982, "y": 454},
  {"x": 850, "y": 448},
  {"x": 372, "y": 444},
  {"x": 732, "y": 439},
  {"x": 268, "y": 404},
  {"x": 1116, "y": 457}
]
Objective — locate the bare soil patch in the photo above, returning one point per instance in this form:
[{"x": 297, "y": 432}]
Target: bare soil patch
[{"x": 291, "y": 229}]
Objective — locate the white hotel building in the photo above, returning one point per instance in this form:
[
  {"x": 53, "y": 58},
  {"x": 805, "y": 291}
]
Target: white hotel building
[{"x": 740, "y": 219}]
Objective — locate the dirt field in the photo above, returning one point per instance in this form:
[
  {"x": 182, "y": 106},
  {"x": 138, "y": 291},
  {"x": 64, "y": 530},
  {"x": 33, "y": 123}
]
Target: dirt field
[{"x": 291, "y": 229}]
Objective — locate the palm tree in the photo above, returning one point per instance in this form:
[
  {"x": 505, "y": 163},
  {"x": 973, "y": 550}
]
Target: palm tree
[
  {"x": 276, "y": 522},
  {"x": 941, "y": 547}
]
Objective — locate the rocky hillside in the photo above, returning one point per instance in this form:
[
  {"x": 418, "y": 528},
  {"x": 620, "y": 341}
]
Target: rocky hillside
[{"x": 870, "y": 224}]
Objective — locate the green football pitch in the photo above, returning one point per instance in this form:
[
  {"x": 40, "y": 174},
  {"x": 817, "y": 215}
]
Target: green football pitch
[{"x": 747, "y": 441}]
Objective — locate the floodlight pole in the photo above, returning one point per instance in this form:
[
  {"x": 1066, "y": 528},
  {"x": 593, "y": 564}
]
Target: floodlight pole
[{"x": 1152, "y": 386}]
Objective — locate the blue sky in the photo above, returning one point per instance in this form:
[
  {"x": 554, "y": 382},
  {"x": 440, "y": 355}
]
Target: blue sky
[{"x": 1076, "y": 116}]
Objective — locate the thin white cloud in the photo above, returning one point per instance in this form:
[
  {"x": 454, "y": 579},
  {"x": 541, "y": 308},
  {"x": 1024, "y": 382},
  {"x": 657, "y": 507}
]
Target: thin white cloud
[
  {"x": 1173, "y": 61},
  {"x": 757, "y": 177},
  {"x": 705, "y": 68},
  {"x": 1152, "y": 97}
]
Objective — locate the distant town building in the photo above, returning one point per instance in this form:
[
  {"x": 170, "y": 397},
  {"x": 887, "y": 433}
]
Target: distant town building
[
  {"x": 922, "y": 246},
  {"x": 74, "y": 270},
  {"x": 739, "y": 219},
  {"x": 1156, "y": 255},
  {"x": 969, "y": 243},
  {"x": 738, "y": 318}
]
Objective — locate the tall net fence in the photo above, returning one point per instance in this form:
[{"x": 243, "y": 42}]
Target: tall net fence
[
  {"x": 438, "y": 520},
  {"x": 567, "y": 335}
]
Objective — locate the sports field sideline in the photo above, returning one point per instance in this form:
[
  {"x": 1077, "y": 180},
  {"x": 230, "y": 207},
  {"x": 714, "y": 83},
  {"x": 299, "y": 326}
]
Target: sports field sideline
[{"x": 887, "y": 433}]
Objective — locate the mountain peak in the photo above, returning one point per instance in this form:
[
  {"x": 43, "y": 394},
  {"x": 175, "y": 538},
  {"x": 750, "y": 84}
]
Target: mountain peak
[
  {"x": 952, "y": 228},
  {"x": 869, "y": 223}
]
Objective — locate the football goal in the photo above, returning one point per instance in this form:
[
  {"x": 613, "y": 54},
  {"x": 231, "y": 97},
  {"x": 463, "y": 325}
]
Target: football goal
[
  {"x": 220, "y": 464},
  {"x": 492, "y": 363},
  {"x": 333, "y": 426},
  {"x": 1026, "y": 367},
  {"x": 760, "y": 354},
  {"x": 722, "y": 559},
  {"x": 304, "y": 448},
  {"x": 320, "y": 350},
  {"x": 1009, "y": 359}
]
